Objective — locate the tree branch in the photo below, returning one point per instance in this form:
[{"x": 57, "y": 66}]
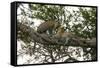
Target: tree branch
[{"x": 27, "y": 31}]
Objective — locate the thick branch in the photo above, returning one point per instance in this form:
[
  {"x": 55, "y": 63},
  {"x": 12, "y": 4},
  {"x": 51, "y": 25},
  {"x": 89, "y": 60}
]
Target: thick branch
[{"x": 47, "y": 40}]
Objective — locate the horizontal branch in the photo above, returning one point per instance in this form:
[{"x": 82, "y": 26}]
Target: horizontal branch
[{"x": 47, "y": 40}]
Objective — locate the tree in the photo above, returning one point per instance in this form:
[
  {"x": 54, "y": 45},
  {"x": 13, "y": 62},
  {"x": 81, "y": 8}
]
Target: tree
[{"x": 45, "y": 49}]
